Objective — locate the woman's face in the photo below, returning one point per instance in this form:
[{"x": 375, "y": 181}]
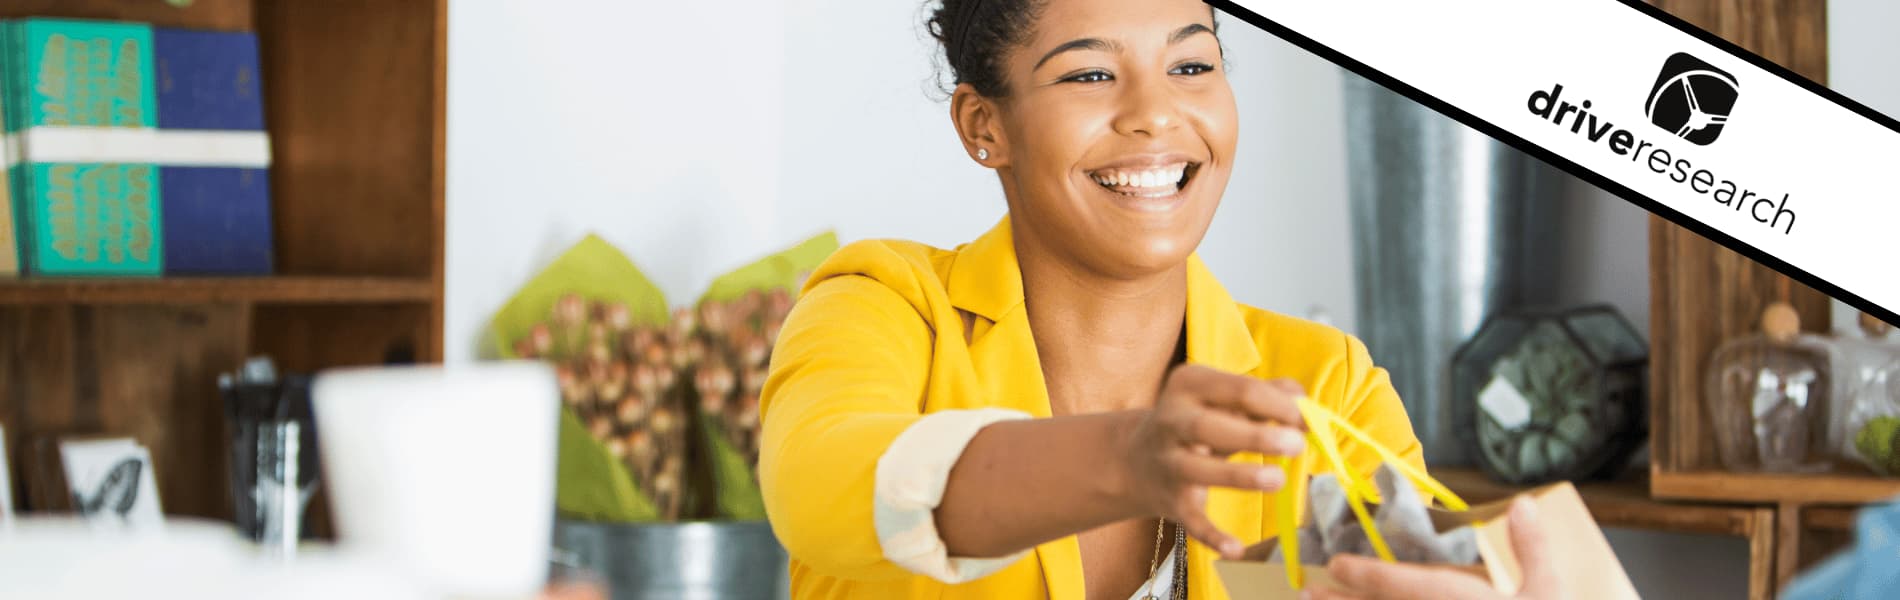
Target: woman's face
[{"x": 1120, "y": 129}]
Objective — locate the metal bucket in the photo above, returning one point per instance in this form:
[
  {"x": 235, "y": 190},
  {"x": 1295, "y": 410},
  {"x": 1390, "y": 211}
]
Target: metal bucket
[
  {"x": 1448, "y": 227},
  {"x": 685, "y": 561}
]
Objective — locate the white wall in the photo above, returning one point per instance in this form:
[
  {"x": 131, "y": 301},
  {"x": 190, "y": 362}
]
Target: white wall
[
  {"x": 697, "y": 136},
  {"x": 1863, "y": 63}
]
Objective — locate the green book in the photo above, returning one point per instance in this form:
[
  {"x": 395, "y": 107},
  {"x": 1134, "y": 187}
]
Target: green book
[{"x": 70, "y": 86}]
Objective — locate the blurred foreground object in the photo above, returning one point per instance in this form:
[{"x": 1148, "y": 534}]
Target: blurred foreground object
[
  {"x": 444, "y": 473},
  {"x": 186, "y": 559},
  {"x": 1868, "y": 570}
]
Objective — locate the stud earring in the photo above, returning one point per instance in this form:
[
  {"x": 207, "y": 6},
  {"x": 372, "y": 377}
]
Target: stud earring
[{"x": 982, "y": 153}]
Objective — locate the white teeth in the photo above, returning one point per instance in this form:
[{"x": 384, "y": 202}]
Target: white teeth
[{"x": 1143, "y": 179}]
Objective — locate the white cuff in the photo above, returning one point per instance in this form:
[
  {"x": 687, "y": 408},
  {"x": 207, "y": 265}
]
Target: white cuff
[{"x": 911, "y": 476}]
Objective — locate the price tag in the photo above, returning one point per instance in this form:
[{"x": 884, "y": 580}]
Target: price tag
[{"x": 1504, "y": 403}]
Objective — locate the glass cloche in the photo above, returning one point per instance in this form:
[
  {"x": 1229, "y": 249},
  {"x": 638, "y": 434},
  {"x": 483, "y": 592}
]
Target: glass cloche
[
  {"x": 1543, "y": 395},
  {"x": 1865, "y": 413},
  {"x": 1766, "y": 395}
]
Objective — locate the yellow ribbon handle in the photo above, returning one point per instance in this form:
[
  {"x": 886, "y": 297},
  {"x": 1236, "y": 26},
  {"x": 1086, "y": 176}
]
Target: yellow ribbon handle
[{"x": 1320, "y": 433}]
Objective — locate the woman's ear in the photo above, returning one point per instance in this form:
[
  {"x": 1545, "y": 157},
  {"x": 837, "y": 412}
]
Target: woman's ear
[{"x": 979, "y": 126}]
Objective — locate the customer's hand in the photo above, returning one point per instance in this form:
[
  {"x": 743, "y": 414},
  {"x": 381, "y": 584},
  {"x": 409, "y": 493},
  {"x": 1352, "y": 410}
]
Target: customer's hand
[
  {"x": 574, "y": 591},
  {"x": 1370, "y": 579},
  {"x": 1178, "y": 449}
]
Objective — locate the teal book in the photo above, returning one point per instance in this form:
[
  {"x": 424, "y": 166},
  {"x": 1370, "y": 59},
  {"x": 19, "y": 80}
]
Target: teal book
[{"x": 75, "y": 86}]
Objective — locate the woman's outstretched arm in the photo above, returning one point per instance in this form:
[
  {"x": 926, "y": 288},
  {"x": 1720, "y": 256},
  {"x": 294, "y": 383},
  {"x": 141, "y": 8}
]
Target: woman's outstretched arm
[{"x": 849, "y": 374}]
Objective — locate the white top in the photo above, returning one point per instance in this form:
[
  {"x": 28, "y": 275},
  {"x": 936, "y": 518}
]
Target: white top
[{"x": 911, "y": 476}]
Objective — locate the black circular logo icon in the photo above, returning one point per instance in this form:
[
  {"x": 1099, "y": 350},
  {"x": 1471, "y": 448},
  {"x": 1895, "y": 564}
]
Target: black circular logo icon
[{"x": 1691, "y": 99}]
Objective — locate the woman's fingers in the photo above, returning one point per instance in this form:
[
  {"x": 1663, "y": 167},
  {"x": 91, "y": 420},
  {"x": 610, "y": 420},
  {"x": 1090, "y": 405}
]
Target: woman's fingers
[
  {"x": 1256, "y": 398},
  {"x": 1228, "y": 433},
  {"x": 1200, "y": 470},
  {"x": 1191, "y": 518}
]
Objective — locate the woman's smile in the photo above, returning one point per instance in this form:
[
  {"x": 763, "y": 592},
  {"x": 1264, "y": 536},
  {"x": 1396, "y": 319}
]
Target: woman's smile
[{"x": 1146, "y": 183}]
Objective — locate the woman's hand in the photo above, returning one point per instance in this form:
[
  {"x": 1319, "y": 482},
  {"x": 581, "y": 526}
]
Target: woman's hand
[
  {"x": 1370, "y": 579},
  {"x": 1180, "y": 448}
]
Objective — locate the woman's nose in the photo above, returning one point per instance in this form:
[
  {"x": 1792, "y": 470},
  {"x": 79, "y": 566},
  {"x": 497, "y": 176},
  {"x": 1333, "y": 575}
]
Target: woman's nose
[{"x": 1148, "y": 107}]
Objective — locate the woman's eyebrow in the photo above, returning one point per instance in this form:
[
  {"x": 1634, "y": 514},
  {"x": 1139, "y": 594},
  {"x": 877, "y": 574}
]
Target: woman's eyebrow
[
  {"x": 1079, "y": 44},
  {"x": 1184, "y": 33},
  {"x": 1098, "y": 44}
]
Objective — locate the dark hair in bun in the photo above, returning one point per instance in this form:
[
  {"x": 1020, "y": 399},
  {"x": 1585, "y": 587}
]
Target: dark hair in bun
[{"x": 976, "y": 34}]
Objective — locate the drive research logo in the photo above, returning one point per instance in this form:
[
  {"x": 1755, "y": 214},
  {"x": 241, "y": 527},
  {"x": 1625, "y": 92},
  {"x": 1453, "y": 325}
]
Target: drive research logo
[{"x": 1691, "y": 99}]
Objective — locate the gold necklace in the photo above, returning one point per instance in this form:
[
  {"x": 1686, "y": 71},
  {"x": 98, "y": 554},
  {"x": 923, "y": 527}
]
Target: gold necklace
[{"x": 1154, "y": 564}]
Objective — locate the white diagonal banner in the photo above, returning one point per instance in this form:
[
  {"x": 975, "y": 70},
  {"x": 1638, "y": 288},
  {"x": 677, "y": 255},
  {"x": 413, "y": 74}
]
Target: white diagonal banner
[{"x": 1715, "y": 139}]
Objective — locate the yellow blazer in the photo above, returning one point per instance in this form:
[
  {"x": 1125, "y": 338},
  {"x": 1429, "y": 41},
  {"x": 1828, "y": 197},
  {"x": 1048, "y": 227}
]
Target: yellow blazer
[{"x": 877, "y": 340}]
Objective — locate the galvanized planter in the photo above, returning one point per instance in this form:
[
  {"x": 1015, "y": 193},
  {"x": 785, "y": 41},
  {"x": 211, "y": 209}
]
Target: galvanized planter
[
  {"x": 1448, "y": 227},
  {"x": 686, "y": 561}
]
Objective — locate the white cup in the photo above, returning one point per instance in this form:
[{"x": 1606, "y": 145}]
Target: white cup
[{"x": 446, "y": 473}]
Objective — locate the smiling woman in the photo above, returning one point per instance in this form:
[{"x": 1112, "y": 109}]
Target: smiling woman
[{"x": 1055, "y": 408}]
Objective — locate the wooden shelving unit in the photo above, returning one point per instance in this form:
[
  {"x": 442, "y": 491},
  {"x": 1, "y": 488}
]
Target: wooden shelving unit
[
  {"x": 1702, "y": 294},
  {"x": 1776, "y": 488},
  {"x": 355, "y": 104},
  {"x": 1623, "y": 502},
  {"x": 190, "y": 290}
]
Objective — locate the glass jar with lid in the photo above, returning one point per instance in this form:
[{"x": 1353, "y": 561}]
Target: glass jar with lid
[
  {"x": 1766, "y": 395},
  {"x": 1866, "y": 408}
]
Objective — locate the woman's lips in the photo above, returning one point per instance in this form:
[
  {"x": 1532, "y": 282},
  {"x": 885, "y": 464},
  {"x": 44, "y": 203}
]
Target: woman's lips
[
  {"x": 1151, "y": 181},
  {"x": 1149, "y": 187}
]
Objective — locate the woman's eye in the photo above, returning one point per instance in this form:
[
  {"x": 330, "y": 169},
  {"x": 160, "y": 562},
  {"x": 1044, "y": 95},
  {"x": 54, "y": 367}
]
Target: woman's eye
[
  {"x": 1089, "y": 77},
  {"x": 1192, "y": 69}
]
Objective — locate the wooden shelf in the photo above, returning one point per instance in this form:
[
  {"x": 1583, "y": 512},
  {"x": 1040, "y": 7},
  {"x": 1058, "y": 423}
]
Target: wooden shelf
[
  {"x": 1774, "y": 488},
  {"x": 191, "y": 290},
  {"x": 1830, "y": 518},
  {"x": 355, "y": 103},
  {"x": 1622, "y": 502}
]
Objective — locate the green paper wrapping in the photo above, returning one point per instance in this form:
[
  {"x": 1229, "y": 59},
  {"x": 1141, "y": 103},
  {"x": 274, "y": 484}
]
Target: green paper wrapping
[
  {"x": 590, "y": 483},
  {"x": 592, "y": 268},
  {"x": 660, "y": 417},
  {"x": 739, "y": 317},
  {"x": 785, "y": 270}
]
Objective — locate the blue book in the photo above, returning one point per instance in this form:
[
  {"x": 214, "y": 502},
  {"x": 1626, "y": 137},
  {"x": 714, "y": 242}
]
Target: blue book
[
  {"x": 207, "y": 80},
  {"x": 217, "y": 220},
  {"x": 217, "y": 209}
]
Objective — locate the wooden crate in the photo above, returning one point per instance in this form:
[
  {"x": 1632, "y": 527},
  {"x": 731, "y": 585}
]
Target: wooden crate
[{"x": 1702, "y": 294}]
